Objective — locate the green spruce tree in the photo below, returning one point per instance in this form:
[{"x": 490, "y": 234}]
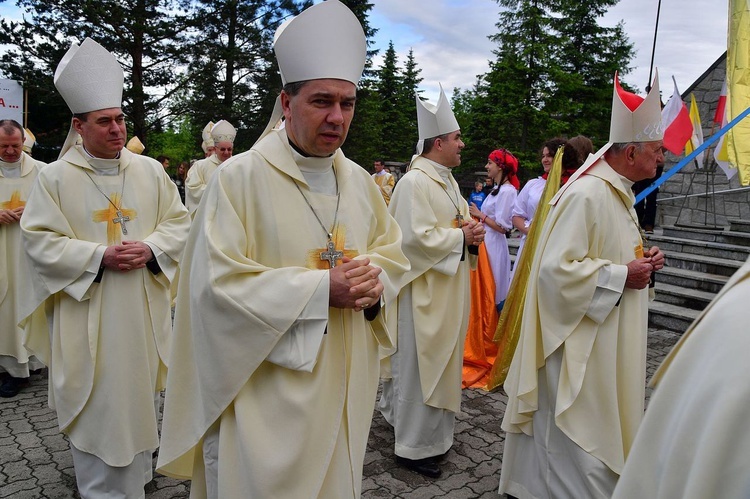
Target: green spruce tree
[{"x": 144, "y": 35}]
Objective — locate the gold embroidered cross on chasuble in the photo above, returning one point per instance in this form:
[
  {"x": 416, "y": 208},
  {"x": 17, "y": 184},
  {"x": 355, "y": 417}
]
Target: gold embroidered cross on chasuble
[
  {"x": 14, "y": 202},
  {"x": 331, "y": 255},
  {"x": 115, "y": 215}
]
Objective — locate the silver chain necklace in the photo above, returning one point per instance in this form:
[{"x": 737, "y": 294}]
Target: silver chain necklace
[
  {"x": 459, "y": 217},
  {"x": 331, "y": 254},
  {"x": 120, "y": 218}
]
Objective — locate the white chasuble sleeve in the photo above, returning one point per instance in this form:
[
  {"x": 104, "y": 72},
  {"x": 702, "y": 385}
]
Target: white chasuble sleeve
[
  {"x": 609, "y": 286},
  {"x": 79, "y": 288},
  {"x": 430, "y": 243},
  {"x": 577, "y": 276},
  {"x": 449, "y": 264},
  {"x": 298, "y": 348},
  {"x": 58, "y": 259}
]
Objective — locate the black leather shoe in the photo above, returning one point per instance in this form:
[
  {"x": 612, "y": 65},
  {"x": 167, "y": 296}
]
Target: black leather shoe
[
  {"x": 11, "y": 386},
  {"x": 427, "y": 466}
]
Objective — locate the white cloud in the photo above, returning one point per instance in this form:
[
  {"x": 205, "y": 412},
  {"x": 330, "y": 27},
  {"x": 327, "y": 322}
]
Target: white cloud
[
  {"x": 692, "y": 35},
  {"x": 449, "y": 38},
  {"x": 450, "y": 43}
]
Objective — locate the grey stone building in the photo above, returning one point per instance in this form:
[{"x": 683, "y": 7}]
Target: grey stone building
[{"x": 703, "y": 197}]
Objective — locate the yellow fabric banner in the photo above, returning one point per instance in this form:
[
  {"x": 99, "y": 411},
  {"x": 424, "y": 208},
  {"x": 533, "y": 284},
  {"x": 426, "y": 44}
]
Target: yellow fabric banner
[
  {"x": 509, "y": 325},
  {"x": 738, "y": 86}
]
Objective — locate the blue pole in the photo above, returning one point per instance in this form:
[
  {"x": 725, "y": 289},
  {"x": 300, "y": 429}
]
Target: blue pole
[{"x": 713, "y": 138}]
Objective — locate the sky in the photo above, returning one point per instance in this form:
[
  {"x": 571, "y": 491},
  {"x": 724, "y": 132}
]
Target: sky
[{"x": 451, "y": 45}]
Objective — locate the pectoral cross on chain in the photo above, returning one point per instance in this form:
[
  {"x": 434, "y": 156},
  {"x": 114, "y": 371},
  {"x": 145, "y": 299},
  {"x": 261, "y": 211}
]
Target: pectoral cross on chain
[
  {"x": 331, "y": 254},
  {"x": 459, "y": 220},
  {"x": 121, "y": 219}
]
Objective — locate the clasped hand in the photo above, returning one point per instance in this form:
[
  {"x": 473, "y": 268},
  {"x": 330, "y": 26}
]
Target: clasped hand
[
  {"x": 640, "y": 269},
  {"x": 355, "y": 284},
  {"x": 11, "y": 216},
  {"x": 473, "y": 232},
  {"x": 127, "y": 256}
]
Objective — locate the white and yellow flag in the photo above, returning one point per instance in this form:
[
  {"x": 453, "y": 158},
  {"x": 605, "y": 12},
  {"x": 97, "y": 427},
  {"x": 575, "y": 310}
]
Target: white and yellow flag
[{"x": 696, "y": 139}]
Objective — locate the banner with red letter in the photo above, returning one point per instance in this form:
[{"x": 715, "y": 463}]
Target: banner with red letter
[{"x": 11, "y": 100}]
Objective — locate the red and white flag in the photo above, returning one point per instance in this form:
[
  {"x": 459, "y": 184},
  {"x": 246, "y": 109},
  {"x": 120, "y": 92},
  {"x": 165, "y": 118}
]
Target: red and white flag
[
  {"x": 721, "y": 153},
  {"x": 676, "y": 121},
  {"x": 722, "y": 105}
]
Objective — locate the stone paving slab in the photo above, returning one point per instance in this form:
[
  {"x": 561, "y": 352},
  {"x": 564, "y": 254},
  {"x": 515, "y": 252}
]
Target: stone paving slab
[{"x": 35, "y": 460}]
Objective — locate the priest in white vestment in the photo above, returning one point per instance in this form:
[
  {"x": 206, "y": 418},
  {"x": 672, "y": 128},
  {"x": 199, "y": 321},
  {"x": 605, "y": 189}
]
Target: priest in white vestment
[
  {"x": 29, "y": 140},
  {"x": 384, "y": 179},
  {"x": 222, "y": 138},
  {"x": 576, "y": 385},
  {"x": 17, "y": 174},
  {"x": 104, "y": 230},
  {"x": 423, "y": 395},
  {"x": 279, "y": 321},
  {"x": 693, "y": 442},
  {"x": 207, "y": 143}
]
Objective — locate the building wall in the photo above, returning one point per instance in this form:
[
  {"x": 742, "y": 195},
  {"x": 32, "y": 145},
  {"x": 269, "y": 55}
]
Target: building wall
[{"x": 713, "y": 208}]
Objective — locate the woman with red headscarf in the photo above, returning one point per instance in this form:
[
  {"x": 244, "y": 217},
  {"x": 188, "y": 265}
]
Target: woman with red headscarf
[{"x": 495, "y": 214}]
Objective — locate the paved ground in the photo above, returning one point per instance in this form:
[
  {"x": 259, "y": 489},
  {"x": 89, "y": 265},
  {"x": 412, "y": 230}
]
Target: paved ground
[{"x": 35, "y": 460}]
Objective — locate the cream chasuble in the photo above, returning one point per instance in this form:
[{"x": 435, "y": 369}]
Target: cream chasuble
[
  {"x": 110, "y": 339},
  {"x": 197, "y": 180},
  {"x": 424, "y": 206},
  {"x": 252, "y": 275},
  {"x": 386, "y": 182},
  {"x": 694, "y": 442},
  {"x": 578, "y": 309},
  {"x": 14, "y": 283}
]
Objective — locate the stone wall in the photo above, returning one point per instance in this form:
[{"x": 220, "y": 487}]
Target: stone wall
[{"x": 699, "y": 208}]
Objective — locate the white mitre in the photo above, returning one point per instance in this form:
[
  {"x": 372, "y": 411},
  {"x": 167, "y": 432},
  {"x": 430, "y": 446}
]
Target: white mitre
[
  {"x": 635, "y": 119},
  {"x": 28, "y": 140},
  {"x": 223, "y": 131},
  {"x": 206, "y": 136},
  {"x": 135, "y": 145},
  {"x": 89, "y": 78},
  {"x": 324, "y": 41},
  {"x": 434, "y": 120}
]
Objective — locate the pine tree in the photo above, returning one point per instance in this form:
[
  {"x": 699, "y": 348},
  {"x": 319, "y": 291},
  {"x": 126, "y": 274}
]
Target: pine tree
[
  {"x": 144, "y": 35},
  {"x": 589, "y": 55},
  {"x": 552, "y": 76},
  {"x": 232, "y": 73},
  {"x": 406, "y": 103},
  {"x": 389, "y": 88}
]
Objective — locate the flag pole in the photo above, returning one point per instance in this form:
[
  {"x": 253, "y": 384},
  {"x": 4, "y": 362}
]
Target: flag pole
[
  {"x": 25, "y": 107},
  {"x": 653, "y": 48},
  {"x": 687, "y": 159}
]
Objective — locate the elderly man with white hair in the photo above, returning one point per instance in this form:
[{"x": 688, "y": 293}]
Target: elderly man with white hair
[
  {"x": 18, "y": 172},
  {"x": 222, "y": 140},
  {"x": 576, "y": 385}
]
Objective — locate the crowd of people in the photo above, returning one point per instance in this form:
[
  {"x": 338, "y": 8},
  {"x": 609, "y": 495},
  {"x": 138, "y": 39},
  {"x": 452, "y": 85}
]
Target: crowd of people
[{"x": 299, "y": 281}]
